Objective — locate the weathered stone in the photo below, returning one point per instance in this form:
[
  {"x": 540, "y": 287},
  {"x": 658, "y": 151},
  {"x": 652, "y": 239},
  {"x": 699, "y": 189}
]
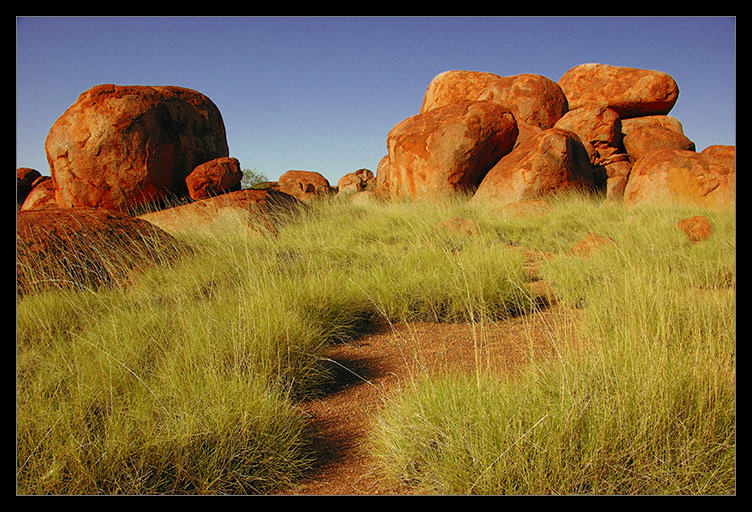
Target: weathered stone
[
  {"x": 304, "y": 185},
  {"x": 447, "y": 149},
  {"x": 631, "y": 92},
  {"x": 553, "y": 161},
  {"x": 674, "y": 175},
  {"x": 25, "y": 177},
  {"x": 642, "y": 141},
  {"x": 453, "y": 86},
  {"x": 721, "y": 151},
  {"x": 84, "y": 247},
  {"x": 534, "y": 100},
  {"x": 214, "y": 177},
  {"x": 631, "y": 124},
  {"x": 258, "y": 208},
  {"x": 382, "y": 174},
  {"x": 120, "y": 147},
  {"x": 42, "y": 195},
  {"x": 615, "y": 175},
  {"x": 599, "y": 130},
  {"x": 357, "y": 181},
  {"x": 697, "y": 228}
]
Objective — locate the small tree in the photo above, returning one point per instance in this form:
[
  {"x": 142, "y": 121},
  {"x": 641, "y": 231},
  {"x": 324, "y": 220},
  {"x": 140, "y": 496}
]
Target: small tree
[{"x": 252, "y": 177}]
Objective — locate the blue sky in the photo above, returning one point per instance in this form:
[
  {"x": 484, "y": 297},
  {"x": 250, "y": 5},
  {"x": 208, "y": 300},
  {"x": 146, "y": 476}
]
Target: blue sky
[{"x": 322, "y": 93}]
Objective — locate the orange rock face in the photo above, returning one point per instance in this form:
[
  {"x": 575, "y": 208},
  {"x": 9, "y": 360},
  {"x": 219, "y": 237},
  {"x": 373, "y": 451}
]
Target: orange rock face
[
  {"x": 261, "y": 208},
  {"x": 354, "y": 182},
  {"x": 84, "y": 247},
  {"x": 697, "y": 228},
  {"x": 599, "y": 129},
  {"x": 119, "y": 147},
  {"x": 534, "y": 100},
  {"x": 642, "y": 141},
  {"x": 630, "y": 92},
  {"x": 304, "y": 185},
  {"x": 554, "y": 160},
  {"x": 42, "y": 195},
  {"x": 670, "y": 175},
  {"x": 447, "y": 149},
  {"x": 631, "y": 124},
  {"x": 214, "y": 177},
  {"x": 453, "y": 86}
]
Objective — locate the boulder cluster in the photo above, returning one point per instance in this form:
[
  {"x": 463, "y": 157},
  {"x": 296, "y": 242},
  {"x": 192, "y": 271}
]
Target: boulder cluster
[
  {"x": 503, "y": 140},
  {"x": 523, "y": 137},
  {"x": 499, "y": 138}
]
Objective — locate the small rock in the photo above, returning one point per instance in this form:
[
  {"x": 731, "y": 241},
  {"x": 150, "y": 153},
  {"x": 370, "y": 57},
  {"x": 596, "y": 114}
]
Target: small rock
[{"x": 697, "y": 228}]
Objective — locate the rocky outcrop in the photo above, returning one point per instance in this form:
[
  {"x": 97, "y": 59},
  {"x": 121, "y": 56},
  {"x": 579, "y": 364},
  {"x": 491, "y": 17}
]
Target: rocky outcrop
[
  {"x": 630, "y": 92},
  {"x": 120, "y": 147},
  {"x": 259, "y": 209},
  {"x": 354, "y": 182},
  {"x": 706, "y": 179},
  {"x": 454, "y": 86},
  {"x": 599, "y": 130},
  {"x": 630, "y": 124},
  {"x": 84, "y": 247},
  {"x": 42, "y": 195},
  {"x": 646, "y": 139},
  {"x": 304, "y": 185},
  {"x": 447, "y": 149},
  {"x": 553, "y": 161},
  {"x": 214, "y": 177},
  {"x": 535, "y": 101}
]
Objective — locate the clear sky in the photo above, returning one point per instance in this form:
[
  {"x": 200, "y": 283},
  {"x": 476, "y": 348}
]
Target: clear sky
[{"x": 322, "y": 93}]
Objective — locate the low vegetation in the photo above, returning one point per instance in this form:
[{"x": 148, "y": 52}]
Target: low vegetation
[{"x": 185, "y": 380}]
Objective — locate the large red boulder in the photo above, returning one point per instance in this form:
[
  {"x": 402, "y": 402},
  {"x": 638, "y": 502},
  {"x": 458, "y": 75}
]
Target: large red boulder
[
  {"x": 634, "y": 123},
  {"x": 599, "y": 129},
  {"x": 447, "y": 149},
  {"x": 214, "y": 177},
  {"x": 706, "y": 179},
  {"x": 630, "y": 92},
  {"x": 534, "y": 100},
  {"x": 537, "y": 102},
  {"x": 453, "y": 86},
  {"x": 120, "y": 147},
  {"x": 553, "y": 161},
  {"x": 643, "y": 140},
  {"x": 83, "y": 247}
]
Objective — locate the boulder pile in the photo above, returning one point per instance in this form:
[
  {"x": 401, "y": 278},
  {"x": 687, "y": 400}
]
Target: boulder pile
[
  {"x": 504, "y": 140},
  {"x": 522, "y": 137}
]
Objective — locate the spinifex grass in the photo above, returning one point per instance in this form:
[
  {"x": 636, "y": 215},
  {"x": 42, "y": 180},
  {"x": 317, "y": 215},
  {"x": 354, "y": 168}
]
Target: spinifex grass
[
  {"x": 647, "y": 406},
  {"x": 184, "y": 378}
]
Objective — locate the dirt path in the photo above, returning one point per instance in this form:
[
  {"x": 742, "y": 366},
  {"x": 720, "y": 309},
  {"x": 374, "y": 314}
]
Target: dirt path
[{"x": 371, "y": 369}]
